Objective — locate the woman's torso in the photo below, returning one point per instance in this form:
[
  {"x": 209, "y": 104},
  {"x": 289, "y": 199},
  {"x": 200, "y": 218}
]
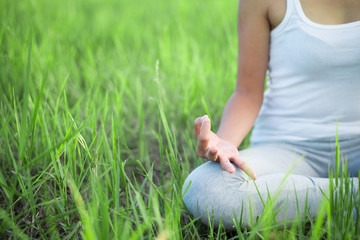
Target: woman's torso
[{"x": 314, "y": 72}]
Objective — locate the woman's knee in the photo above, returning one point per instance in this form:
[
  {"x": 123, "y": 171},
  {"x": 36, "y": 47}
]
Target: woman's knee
[
  {"x": 210, "y": 193},
  {"x": 205, "y": 180},
  {"x": 210, "y": 179}
]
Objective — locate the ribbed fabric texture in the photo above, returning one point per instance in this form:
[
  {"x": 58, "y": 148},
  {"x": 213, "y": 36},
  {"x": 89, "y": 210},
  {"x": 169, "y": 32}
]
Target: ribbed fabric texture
[{"x": 313, "y": 80}]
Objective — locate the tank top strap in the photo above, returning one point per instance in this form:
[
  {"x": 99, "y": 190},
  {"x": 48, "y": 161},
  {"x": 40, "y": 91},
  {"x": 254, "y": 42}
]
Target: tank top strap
[{"x": 290, "y": 12}]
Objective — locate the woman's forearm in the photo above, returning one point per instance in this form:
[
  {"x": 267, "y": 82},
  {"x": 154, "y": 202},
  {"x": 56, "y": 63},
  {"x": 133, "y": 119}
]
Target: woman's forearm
[{"x": 239, "y": 116}]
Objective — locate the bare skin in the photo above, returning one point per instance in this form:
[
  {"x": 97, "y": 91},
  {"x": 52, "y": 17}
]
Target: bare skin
[
  {"x": 256, "y": 19},
  {"x": 332, "y": 12}
]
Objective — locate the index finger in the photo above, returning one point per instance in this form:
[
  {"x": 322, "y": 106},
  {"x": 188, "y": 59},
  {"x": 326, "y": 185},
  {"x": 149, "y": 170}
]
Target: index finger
[
  {"x": 197, "y": 126},
  {"x": 204, "y": 136},
  {"x": 244, "y": 166}
]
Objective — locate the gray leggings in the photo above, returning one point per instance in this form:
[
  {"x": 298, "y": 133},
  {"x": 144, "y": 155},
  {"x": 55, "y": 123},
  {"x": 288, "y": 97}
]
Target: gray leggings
[{"x": 210, "y": 191}]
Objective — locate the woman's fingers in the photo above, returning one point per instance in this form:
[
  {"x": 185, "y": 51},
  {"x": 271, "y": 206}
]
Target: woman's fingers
[
  {"x": 212, "y": 153},
  {"x": 204, "y": 137},
  {"x": 244, "y": 166},
  {"x": 203, "y": 133},
  {"x": 226, "y": 165},
  {"x": 197, "y": 126}
]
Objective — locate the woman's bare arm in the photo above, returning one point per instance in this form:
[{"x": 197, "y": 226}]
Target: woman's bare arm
[{"x": 243, "y": 106}]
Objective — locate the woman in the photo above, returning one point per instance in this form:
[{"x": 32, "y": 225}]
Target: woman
[{"x": 311, "y": 50}]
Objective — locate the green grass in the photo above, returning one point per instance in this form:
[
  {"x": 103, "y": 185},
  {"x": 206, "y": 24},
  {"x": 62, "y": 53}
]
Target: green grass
[{"x": 97, "y": 102}]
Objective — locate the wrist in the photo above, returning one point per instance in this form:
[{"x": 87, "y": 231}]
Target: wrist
[{"x": 230, "y": 137}]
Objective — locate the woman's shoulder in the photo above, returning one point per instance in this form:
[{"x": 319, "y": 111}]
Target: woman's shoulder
[{"x": 272, "y": 10}]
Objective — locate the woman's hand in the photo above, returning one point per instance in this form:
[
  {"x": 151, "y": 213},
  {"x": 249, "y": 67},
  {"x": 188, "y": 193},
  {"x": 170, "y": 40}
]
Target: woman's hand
[{"x": 213, "y": 148}]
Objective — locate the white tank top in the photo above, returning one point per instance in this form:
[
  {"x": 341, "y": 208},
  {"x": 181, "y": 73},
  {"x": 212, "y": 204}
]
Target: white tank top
[{"x": 313, "y": 80}]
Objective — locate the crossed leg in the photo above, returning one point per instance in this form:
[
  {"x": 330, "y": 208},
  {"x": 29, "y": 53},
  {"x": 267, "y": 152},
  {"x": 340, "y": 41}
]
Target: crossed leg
[{"x": 284, "y": 172}]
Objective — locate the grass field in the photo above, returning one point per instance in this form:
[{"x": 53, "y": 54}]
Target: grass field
[{"x": 97, "y": 102}]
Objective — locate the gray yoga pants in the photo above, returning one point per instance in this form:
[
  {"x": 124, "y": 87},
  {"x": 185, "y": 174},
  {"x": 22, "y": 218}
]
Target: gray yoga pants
[{"x": 216, "y": 195}]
